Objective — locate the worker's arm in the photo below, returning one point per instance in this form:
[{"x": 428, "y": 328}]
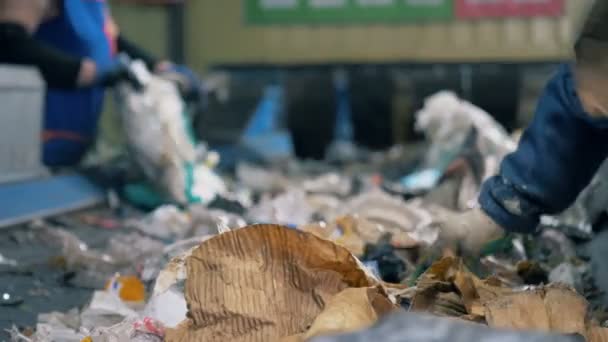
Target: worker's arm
[
  {"x": 567, "y": 141},
  {"x": 136, "y": 52},
  {"x": 133, "y": 50},
  {"x": 556, "y": 158},
  {"x": 186, "y": 80},
  {"x": 557, "y": 155},
  {"x": 59, "y": 70}
]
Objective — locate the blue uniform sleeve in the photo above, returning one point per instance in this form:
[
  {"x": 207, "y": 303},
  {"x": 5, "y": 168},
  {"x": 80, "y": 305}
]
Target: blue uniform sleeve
[{"x": 556, "y": 158}]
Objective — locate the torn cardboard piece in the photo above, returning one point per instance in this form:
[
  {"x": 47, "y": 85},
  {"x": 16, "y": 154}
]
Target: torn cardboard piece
[
  {"x": 447, "y": 288},
  {"x": 556, "y": 309},
  {"x": 351, "y": 310},
  {"x": 265, "y": 283}
]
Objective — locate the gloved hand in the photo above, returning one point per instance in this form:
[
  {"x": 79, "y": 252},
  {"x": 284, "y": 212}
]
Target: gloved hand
[
  {"x": 188, "y": 83},
  {"x": 119, "y": 71},
  {"x": 591, "y": 50},
  {"x": 467, "y": 232}
]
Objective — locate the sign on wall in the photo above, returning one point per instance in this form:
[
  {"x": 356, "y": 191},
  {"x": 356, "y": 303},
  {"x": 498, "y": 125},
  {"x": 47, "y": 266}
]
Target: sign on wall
[
  {"x": 468, "y": 9},
  {"x": 345, "y": 11},
  {"x": 387, "y": 11}
]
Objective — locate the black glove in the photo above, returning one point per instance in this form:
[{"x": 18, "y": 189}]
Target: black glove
[{"x": 118, "y": 72}]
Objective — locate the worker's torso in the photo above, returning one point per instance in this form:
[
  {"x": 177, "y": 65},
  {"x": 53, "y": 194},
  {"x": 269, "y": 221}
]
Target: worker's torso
[{"x": 71, "y": 116}]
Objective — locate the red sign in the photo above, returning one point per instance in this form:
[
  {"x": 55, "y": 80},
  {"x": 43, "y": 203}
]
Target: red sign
[{"x": 467, "y": 9}]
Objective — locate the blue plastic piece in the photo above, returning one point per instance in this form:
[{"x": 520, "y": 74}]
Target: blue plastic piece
[
  {"x": 422, "y": 180},
  {"x": 263, "y": 134},
  {"x": 343, "y": 130},
  {"x": 265, "y": 117},
  {"x": 26, "y": 201}
]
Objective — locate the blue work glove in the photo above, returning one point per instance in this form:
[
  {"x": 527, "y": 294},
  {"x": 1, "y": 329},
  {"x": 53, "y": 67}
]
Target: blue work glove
[{"x": 187, "y": 81}]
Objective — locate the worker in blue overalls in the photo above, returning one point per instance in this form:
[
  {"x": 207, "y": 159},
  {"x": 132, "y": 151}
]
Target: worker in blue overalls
[
  {"x": 19, "y": 20},
  {"x": 85, "y": 29},
  {"x": 557, "y": 155}
]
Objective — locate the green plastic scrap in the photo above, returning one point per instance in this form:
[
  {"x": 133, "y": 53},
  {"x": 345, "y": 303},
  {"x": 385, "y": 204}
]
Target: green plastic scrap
[{"x": 144, "y": 196}]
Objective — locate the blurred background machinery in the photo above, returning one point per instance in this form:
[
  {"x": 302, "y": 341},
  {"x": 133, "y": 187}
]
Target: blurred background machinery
[{"x": 496, "y": 55}]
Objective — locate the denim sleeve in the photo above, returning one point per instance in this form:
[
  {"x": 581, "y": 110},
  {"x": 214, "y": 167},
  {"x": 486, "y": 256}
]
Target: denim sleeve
[{"x": 556, "y": 158}]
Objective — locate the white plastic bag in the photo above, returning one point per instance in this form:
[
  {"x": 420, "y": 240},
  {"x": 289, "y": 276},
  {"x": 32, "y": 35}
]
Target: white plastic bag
[
  {"x": 166, "y": 222},
  {"x": 169, "y": 308},
  {"x": 446, "y": 120},
  {"x": 160, "y": 139},
  {"x": 289, "y": 208}
]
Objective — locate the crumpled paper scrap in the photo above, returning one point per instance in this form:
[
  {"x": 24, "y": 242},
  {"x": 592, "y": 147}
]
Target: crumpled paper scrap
[{"x": 268, "y": 282}]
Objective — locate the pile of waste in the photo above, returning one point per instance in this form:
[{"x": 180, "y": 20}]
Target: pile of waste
[{"x": 313, "y": 251}]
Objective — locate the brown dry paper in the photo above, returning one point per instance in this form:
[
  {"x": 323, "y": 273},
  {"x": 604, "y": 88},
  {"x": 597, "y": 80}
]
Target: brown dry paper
[
  {"x": 556, "y": 309},
  {"x": 263, "y": 283},
  {"x": 597, "y": 334},
  {"x": 351, "y": 310},
  {"x": 553, "y": 309},
  {"x": 521, "y": 311}
]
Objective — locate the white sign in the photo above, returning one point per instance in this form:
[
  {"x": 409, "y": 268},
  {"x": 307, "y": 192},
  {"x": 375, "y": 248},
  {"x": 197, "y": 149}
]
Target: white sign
[
  {"x": 327, "y": 3},
  {"x": 279, "y": 4}
]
